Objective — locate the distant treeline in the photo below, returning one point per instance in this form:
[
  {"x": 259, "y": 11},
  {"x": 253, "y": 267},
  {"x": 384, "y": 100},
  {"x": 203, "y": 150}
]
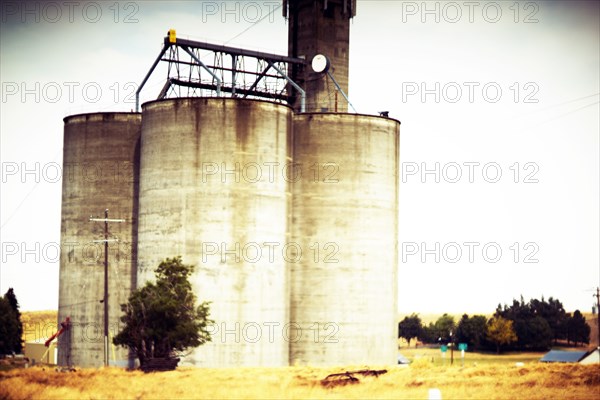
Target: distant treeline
[{"x": 534, "y": 325}]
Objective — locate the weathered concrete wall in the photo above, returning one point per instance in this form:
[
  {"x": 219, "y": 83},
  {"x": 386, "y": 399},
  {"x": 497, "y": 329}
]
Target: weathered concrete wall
[
  {"x": 345, "y": 213},
  {"x": 100, "y": 168},
  {"x": 213, "y": 190}
]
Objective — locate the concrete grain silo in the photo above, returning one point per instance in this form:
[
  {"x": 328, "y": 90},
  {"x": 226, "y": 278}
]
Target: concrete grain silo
[
  {"x": 100, "y": 163},
  {"x": 212, "y": 190},
  {"x": 345, "y": 208},
  {"x": 286, "y": 204}
]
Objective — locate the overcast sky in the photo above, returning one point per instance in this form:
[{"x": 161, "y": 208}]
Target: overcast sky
[{"x": 499, "y": 101}]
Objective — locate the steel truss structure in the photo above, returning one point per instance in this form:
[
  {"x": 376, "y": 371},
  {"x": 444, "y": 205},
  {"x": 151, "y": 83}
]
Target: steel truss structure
[{"x": 232, "y": 72}]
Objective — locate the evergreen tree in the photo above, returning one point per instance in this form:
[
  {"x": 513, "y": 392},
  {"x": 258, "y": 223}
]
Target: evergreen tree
[
  {"x": 472, "y": 330},
  {"x": 11, "y": 328},
  {"x": 438, "y": 331},
  {"x": 444, "y": 327},
  {"x": 554, "y": 313},
  {"x": 539, "y": 334},
  {"x": 578, "y": 329},
  {"x": 536, "y": 323},
  {"x": 14, "y": 305},
  {"x": 428, "y": 334},
  {"x": 410, "y": 327}
]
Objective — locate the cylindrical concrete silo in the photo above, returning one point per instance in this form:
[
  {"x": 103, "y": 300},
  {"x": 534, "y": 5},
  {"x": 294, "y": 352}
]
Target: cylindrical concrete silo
[
  {"x": 345, "y": 213},
  {"x": 213, "y": 190},
  {"x": 100, "y": 169}
]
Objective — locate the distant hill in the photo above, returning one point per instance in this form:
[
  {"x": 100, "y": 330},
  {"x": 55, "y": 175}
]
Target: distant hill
[
  {"x": 38, "y": 325},
  {"x": 592, "y": 321}
]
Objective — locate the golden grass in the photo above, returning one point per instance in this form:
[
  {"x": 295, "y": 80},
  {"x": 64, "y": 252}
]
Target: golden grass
[
  {"x": 484, "y": 376},
  {"x": 533, "y": 381},
  {"x": 471, "y": 358}
]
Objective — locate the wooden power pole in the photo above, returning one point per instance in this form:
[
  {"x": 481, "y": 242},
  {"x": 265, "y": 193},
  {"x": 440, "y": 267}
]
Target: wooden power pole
[
  {"x": 106, "y": 220},
  {"x": 597, "y": 296}
]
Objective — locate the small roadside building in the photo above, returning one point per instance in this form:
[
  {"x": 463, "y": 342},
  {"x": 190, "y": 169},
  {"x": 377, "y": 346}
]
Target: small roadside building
[
  {"x": 592, "y": 358},
  {"x": 39, "y": 353},
  {"x": 562, "y": 356}
]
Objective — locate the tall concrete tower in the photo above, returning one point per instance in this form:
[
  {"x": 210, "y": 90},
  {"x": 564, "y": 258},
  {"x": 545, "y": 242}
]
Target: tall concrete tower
[
  {"x": 320, "y": 27},
  {"x": 343, "y": 291}
]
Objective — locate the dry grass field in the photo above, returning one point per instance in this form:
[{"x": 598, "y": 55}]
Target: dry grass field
[
  {"x": 532, "y": 381},
  {"x": 483, "y": 376},
  {"x": 434, "y": 356}
]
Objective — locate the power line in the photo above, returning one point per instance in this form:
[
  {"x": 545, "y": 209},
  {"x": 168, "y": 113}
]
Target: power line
[
  {"x": 570, "y": 112},
  {"x": 559, "y": 104},
  {"x": 561, "y": 116},
  {"x": 78, "y": 304},
  {"x": 253, "y": 25},
  {"x": 7, "y": 220}
]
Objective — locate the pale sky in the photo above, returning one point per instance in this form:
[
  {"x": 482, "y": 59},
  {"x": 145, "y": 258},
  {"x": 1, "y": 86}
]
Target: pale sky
[{"x": 501, "y": 98}]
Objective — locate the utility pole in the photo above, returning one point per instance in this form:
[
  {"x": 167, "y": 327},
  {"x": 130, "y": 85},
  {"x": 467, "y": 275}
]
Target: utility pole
[
  {"x": 451, "y": 349},
  {"x": 106, "y": 220},
  {"x": 597, "y": 296}
]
